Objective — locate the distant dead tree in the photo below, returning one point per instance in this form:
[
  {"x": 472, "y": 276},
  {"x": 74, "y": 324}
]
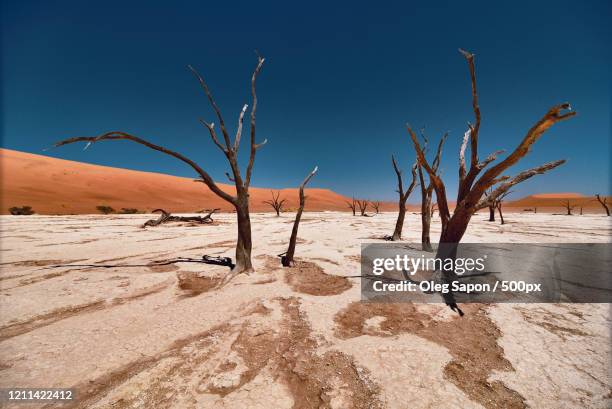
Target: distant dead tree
[
  {"x": 276, "y": 204},
  {"x": 128, "y": 210},
  {"x": 376, "y": 206},
  {"x": 230, "y": 149},
  {"x": 535, "y": 210},
  {"x": 604, "y": 203},
  {"x": 491, "y": 207},
  {"x": 427, "y": 209},
  {"x": 403, "y": 198},
  {"x": 498, "y": 205},
  {"x": 568, "y": 207},
  {"x": 287, "y": 258},
  {"x": 166, "y": 217},
  {"x": 363, "y": 207},
  {"x": 471, "y": 190},
  {"x": 105, "y": 209},
  {"x": 21, "y": 211},
  {"x": 353, "y": 206}
]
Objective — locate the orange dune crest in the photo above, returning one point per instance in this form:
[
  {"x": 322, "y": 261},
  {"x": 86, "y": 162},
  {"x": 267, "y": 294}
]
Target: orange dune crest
[{"x": 57, "y": 186}]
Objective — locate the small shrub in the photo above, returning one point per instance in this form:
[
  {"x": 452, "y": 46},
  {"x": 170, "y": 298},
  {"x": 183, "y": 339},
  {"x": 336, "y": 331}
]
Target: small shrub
[
  {"x": 128, "y": 210},
  {"x": 21, "y": 211},
  {"x": 105, "y": 209}
]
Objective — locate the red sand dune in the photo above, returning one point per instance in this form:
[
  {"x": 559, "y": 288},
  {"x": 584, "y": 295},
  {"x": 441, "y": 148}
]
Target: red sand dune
[
  {"x": 56, "y": 186},
  {"x": 554, "y": 203}
]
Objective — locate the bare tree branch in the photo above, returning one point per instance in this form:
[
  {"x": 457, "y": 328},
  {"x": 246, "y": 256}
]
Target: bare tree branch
[
  {"x": 213, "y": 104},
  {"x": 122, "y": 135},
  {"x": 239, "y": 130},
  {"x": 502, "y": 189},
  {"x": 213, "y": 135},
  {"x": 254, "y": 146}
]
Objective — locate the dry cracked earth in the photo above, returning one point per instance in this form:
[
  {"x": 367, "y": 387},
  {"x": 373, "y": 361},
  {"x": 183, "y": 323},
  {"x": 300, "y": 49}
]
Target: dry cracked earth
[{"x": 93, "y": 303}]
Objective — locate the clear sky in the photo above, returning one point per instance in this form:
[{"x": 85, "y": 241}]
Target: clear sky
[{"x": 339, "y": 84}]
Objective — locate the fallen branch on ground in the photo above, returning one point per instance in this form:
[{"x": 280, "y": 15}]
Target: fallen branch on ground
[{"x": 166, "y": 217}]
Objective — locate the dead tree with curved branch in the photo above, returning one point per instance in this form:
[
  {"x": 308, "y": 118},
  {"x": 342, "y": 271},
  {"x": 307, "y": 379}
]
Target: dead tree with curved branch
[
  {"x": 568, "y": 207},
  {"x": 287, "y": 258},
  {"x": 498, "y": 205},
  {"x": 604, "y": 203},
  {"x": 353, "y": 206},
  {"x": 276, "y": 204},
  {"x": 376, "y": 206},
  {"x": 472, "y": 187},
  {"x": 230, "y": 149},
  {"x": 363, "y": 207},
  {"x": 427, "y": 209},
  {"x": 403, "y": 198},
  {"x": 491, "y": 207}
]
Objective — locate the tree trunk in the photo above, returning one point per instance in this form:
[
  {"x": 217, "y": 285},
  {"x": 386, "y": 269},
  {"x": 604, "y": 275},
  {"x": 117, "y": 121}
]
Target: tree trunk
[
  {"x": 287, "y": 259},
  {"x": 399, "y": 225},
  {"x": 501, "y": 216},
  {"x": 426, "y": 214},
  {"x": 244, "y": 244},
  {"x": 491, "y": 213}
]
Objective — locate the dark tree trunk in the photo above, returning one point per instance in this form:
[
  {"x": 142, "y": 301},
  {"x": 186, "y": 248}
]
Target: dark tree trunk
[
  {"x": 491, "y": 213},
  {"x": 399, "y": 224},
  {"x": 604, "y": 203},
  {"x": 287, "y": 259},
  {"x": 403, "y": 198},
  {"x": 499, "y": 209},
  {"x": 426, "y": 221},
  {"x": 244, "y": 244}
]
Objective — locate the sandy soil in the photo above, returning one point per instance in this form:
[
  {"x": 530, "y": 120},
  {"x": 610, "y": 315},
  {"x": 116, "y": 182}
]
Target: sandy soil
[{"x": 151, "y": 335}]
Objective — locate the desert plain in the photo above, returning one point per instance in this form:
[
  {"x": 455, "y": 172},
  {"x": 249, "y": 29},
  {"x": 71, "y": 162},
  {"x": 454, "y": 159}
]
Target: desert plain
[{"x": 96, "y": 303}]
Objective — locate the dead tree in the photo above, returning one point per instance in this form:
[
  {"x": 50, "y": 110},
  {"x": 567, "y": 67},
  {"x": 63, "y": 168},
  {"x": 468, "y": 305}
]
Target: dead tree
[
  {"x": 568, "y": 207},
  {"x": 276, "y": 204},
  {"x": 363, "y": 207},
  {"x": 427, "y": 209},
  {"x": 403, "y": 198},
  {"x": 472, "y": 187},
  {"x": 353, "y": 206},
  {"x": 491, "y": 207},
  {"x": 21, "y": 211},
  {"x": 230, "y": 149},
  {"x": 166, "y": 217},
  {"x": 434, "y": 207},
  {"x": 498, "y": 205},
  {"x": 604, "y": 203},
  {"x": 287, "y": 258},
  {"x": 376, "y": 206}
]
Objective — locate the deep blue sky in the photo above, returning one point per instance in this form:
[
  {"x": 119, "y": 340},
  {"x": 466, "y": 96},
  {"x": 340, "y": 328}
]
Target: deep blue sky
[{"x": 339, "y": 83}]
